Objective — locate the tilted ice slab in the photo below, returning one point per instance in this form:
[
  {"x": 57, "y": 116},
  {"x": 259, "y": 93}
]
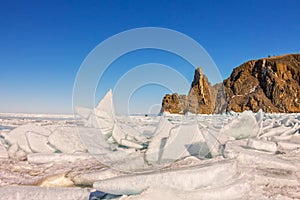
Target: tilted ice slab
[
  {"x": 263, "y": 160},
  {"x": 295, "y": 129},
  {"x": 238, "y": 190},
  {"x": 172, "y": 142},
  {"x": 186, "y": 179},
  {"x": 66, "y": 140},
  {"x": 262, "y": 145},
  {"x": 243, "y": 126},
  {"x": 156, "y": 146},
  {"x": 134, "y": 130},
  {"x": 214, "y": 140},
  {"x": 118, "y": 160},
  {"x": 93, "y": 140},
  {"x": 277, "y": 131},
  {"x": 104, "y": 115},
  {"x": 184, "y": 140},
  {"x": 120, "y": 136},
  {"x": 103, "y": 118},
  {"x": 106, "y": 107},
  {"x": 99, "y": 148},
  {"x": 39, "y": 143},
  {"x": 251, "y": 158},
  {"x": 18, "y": 135},
  {"x": 123, "y": 160}
]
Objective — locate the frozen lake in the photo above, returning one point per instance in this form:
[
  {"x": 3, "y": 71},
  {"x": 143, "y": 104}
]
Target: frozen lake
[{"x": 227, "y": 156}]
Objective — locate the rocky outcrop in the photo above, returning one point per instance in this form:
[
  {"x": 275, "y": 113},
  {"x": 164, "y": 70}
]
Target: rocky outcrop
[
  {"x": 174, "y": 103},
  {"x": 271, "y": 84},
  {"x": 200, "y": 99},
  {"x": 200, "y": 95}
]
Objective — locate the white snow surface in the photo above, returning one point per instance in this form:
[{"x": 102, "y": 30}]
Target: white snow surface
[{"x": 222, "y": 156}]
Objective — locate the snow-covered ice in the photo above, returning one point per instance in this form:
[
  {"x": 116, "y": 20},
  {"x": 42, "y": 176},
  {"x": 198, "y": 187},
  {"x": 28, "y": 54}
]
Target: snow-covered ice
[
  {"x": 66, "y": 140},
  {"x": 186, "y": 179},
  {"x": 222, "y": 156}
]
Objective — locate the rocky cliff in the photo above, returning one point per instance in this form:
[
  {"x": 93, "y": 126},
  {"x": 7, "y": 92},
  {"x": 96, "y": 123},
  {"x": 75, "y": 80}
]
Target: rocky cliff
[
  {"x": 271, "y": 84},
  {"x": 201, "y": 98}
]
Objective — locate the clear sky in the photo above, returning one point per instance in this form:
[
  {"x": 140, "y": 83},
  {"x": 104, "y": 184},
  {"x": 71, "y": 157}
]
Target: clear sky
[{"x": 43, "y": 43}]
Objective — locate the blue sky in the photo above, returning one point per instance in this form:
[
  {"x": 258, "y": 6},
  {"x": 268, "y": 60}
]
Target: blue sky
[{"x": 43, "y": 43}]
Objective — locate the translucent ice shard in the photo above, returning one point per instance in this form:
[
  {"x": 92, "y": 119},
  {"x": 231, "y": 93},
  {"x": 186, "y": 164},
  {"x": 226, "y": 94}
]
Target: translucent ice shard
[{"x": 243, "y": 126}]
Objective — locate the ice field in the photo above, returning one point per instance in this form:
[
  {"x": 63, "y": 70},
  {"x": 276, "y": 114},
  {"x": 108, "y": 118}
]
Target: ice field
[{"x": 226, "y": 156}]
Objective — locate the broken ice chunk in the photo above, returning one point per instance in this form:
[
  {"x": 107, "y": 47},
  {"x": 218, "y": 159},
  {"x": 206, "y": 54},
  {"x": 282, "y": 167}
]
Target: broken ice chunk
[
  {"x": 93, "y": 140},
  {"x": 275, "y": 131},
  {"x": 212, "y": 137},
  {"x": 262, "y": 145},
  {"x": 67, "y": 140},
  {"x": 120, "y": 137},
  {"x": 39, "y": 143},
  {"x": 18, "y": 135},
  {"x": 237, "y": 190},
  {"x": 187, "y": 179},
  {"x": 184, "y": 140},
  {"x": 103, "y": 116},
  {"x": 243, "y": 126},
  {"x": 157, "y": 143},
  {"x": 105, "y": 108}
]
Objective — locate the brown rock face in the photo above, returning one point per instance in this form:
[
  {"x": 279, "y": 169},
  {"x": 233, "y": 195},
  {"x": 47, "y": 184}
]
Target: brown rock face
[
  {"x": 173, "y": 103},
  {"x": 200, "y": 99},
  {"x": 271, "y": 84}
]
